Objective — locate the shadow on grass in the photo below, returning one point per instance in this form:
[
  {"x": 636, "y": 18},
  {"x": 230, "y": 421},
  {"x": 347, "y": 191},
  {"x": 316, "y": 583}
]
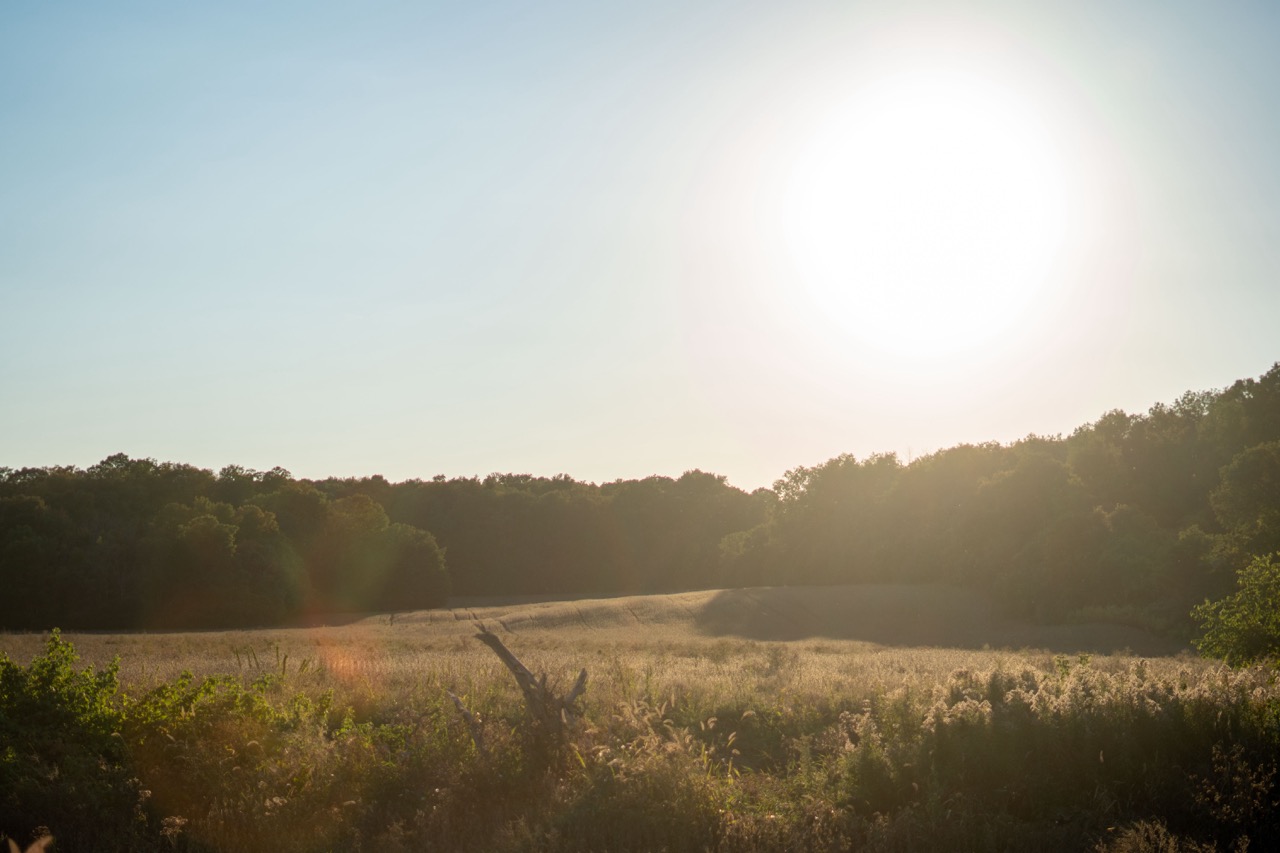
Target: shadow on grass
[{"x": 909, "y": 616}]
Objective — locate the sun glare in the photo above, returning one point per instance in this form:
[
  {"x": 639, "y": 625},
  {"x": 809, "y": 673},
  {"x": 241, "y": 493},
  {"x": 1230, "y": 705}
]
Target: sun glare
[{"x": 925, "y": 213}]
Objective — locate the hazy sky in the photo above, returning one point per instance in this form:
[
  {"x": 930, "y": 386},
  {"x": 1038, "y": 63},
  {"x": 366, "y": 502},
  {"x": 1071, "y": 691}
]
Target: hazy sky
[{"x": 588, "y": 238}]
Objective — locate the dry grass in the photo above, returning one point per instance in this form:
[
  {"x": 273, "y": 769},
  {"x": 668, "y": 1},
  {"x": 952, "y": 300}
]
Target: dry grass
[
  {"x": 731, "y": 644},
  {"x": 766, "y": 719}
]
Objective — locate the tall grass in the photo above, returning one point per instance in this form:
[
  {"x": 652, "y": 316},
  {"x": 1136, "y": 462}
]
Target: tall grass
[{"x": 723, "y": 745}]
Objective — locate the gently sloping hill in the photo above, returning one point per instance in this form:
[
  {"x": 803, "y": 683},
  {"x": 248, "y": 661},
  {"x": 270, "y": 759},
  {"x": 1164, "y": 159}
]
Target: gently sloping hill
[
  {"x": 676, "y": 611},
  {"x": 905, "y": 615},
  {"x": 899, "y": 615},
  {"x": 380, "y": 647}
]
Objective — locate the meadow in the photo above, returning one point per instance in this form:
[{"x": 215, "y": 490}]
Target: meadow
[{"x": 837, "y": 718}]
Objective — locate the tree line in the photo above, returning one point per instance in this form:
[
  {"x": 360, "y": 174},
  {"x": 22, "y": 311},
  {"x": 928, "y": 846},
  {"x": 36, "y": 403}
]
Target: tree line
[
  {"x": 1134, "y": 517},
  {"x": 1131, "y": 517}
]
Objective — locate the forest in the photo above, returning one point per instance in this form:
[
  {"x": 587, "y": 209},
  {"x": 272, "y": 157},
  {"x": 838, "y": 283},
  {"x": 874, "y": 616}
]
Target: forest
[{"x": 1133, "y": 518}]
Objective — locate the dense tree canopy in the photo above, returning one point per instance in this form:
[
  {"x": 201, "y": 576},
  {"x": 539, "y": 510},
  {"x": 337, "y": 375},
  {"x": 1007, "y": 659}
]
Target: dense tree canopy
[
  {"x": 1133, "y": 516},
  {"x": 134, "y": 543}
]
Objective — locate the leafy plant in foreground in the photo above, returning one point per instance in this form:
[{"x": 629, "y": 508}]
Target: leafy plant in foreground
[{"x": 62, "y": 758}]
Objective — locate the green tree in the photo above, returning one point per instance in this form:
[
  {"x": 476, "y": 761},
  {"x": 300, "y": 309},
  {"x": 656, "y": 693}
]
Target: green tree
[
  {"x": 412, "y": 570},
  {"x": 1244, "y": 626},
  {"x": 364, "y": 562},
  {"x": 832, "y": 520},
  {"x": 215, "y": 565},
  {"x": 1009, "y": 512},
  {"x": 33, "y": 542},
  {"x": 1247, "y": 504}
]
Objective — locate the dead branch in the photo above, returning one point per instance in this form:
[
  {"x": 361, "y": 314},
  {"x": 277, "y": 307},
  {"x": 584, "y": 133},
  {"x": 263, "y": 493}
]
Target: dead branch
[
  {"x": 549, "y": 712},
  {"x": 473, "y": 724}
]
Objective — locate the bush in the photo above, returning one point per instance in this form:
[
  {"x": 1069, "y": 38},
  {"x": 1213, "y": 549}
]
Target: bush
[
  {"x": 1245, "y": 626},
  {"x": 62, "y": 758}
]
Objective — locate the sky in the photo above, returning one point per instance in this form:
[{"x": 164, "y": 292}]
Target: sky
[{"x": 616, "y": 240}]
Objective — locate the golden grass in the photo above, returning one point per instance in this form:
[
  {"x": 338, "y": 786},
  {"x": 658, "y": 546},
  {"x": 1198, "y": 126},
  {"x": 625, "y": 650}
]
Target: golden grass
[
  {"x": 758, "y": 719},
  {"x": 729, "y": 644}
]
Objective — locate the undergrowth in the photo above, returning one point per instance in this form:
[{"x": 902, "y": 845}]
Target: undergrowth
[{"x": 1018, "y": 757}]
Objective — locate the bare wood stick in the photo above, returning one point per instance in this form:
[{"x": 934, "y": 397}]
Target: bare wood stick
[
  {"x": 544, "y": 707},
  {"x": 579, "y": 687},
  {"x": 534, "y": 693},
  {"x": 473, "y": 724}
]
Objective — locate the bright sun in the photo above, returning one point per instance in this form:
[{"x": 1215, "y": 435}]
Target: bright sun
[{"x": 925, "y": 214}]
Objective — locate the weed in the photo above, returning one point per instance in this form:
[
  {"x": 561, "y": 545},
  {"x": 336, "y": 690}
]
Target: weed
[{"x": 769, "y": 747}]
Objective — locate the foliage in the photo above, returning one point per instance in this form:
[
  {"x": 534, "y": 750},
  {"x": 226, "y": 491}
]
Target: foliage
[
  {"x": 1019, "y": 756},
  {"x": 1141, "y": 514},
  {"x": 132, "y": 543},
  {"x": 1247, "y": 503},
  {"x": 63, "y": 762},
  {"x": 1245, "y": 626}
]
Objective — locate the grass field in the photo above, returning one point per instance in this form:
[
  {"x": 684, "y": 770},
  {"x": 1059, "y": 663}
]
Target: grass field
[
  {"x": 842, "y": 718},
  {"x": 824, "y": 628}
]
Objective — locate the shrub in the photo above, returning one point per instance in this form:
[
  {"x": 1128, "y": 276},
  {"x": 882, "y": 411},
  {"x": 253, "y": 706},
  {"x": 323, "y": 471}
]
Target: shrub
[
  {"x": 1245, "y": 626},
  {"x": 62, "y": 759}
]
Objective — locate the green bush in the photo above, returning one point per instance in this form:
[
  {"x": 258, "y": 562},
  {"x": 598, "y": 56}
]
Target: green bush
[
  {"x": 62, "y": 758},
  {"x": 1245, "y": 626}
]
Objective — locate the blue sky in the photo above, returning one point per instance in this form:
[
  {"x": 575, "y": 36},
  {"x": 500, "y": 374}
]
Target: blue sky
[{"x": 414, "y": 238}]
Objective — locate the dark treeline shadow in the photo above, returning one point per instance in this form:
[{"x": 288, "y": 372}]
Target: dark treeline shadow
[
  {"x": 1133, "y": 519},
  {"x": 918, "y": 615}
]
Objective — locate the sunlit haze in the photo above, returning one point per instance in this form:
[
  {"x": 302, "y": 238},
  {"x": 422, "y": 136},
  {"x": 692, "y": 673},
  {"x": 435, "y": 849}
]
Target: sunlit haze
[
  {"x": 932, "y": 203},
  {"x": 619, "y": 240}
]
